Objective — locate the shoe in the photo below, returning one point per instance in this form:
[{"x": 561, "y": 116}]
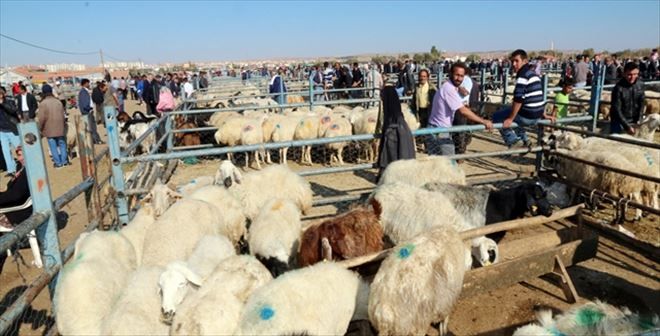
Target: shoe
[
  {"x": 514, "y": 144},
  {"x": 57, "y": 166}
]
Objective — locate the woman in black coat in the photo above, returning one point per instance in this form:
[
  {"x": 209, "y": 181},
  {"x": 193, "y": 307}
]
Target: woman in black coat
[{"x": 396, "y": 140}]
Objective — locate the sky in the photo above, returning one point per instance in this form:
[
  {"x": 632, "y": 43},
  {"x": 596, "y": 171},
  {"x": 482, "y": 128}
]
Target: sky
[{"x": 198, "y": 31}]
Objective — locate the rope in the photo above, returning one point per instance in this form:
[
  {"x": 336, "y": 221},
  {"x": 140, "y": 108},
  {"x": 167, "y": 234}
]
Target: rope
[{"x": 48, "y": 49}]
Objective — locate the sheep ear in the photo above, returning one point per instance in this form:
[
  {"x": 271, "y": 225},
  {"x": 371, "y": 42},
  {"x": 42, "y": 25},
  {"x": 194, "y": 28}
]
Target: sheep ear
[
  {"x": 79, "y": 241},
  {"x": 237, "y": 176},
  {"x": 190, "y": 275},
  {"x": 147, "y": 197},
  {"x": 174, "y": 194}
]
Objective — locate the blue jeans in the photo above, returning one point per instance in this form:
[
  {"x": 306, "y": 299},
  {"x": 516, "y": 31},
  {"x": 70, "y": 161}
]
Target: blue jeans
[
  {"x": 511, "y": 136},
  {"x": 440, "y": 144},
  {"x": 58, "y": 150},
  {"x": 9, "y": 140}
]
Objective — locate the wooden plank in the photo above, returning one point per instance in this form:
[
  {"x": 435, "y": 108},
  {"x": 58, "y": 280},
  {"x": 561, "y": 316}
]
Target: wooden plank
[
  {"x": 512, "y": 249},
  {"x": 511, "y": 272},
  {"x": 637, "y": 245}
]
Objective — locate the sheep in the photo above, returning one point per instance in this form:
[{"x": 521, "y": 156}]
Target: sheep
[
  {"x": 188, "y": 138},
  {"x": 71, "y": 138},
  {"x": 339, "y": 127},
  {"x": 364, "y": 122},
  {"x": 252, "y": 134},
  {"x": 418, "y": 172},
  {"x": 138, "y": 129},
  {"x": 317, "y": 300},
  {"x": 160, "y": 196},
  {"x": 91, "y": 283},
  {"x": 178, "y": 276},
  {"x": 592, "y": 318},
  {"x": 137, "y": 228},
  {"x": 233, "y": 219},
  {"x": 257, "y": 188},
  {"x": 494, "y": 206},
  {"x": 274, "y": 234},
  {"x": 214, "y": 309},
  {"x": 307, "y": 129},
  {"x": 227, "y": 174},
  {"x": 173, "y": 236},
  {"x": 406, "y": 211},
  {"x": 352, "y": 234},
  {"x": 229, "y": 133},
  {"x": 419, "y": 283},
  {"x": 268, "y": 126},
  {"x": 284, "y": 131},
  {"x": 219, "y": 118},
  {"x": 195, "y": 184},
  {"x": 646, "y": 128},
  {"x": 137, "y": 310}
]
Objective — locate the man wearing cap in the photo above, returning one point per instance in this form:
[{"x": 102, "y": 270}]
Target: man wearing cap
[{"x": 52, "y": 126}]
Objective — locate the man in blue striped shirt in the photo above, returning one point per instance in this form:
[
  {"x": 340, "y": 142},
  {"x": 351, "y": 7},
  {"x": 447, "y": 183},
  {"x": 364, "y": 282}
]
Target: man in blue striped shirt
[{"x": 528, "y": 102}]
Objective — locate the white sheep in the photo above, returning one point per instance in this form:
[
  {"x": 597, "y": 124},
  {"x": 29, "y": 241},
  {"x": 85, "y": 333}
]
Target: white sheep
[
  {"x": 274, "y": 235},
  {"x": 419, "y": 283},
  {"x": 365, "y": 122},
  {"x": 137, "y": 311},
  {"x": 91, "y": 283},
  {"x": 316, "y": 300},
  {"x": 174, "y": 235},
  {"x": 645, "y": 129},
  {"x": 71, "y": 137},
  {"x": 593, "y": 318},
  {"x": 259, "y": 187},
  {"x": 215, "y": 308},
  {"x": 178, "y": 276},
  {"x": 229, "y": 133},
  {"x": 307, "y": 129},
  {"x": 160, "y": 197},
  {"x": 219, "y": 118},
  {"x": 268, "y": 128},
  {"x": 284, "y": 131},
  {"x": 252, "y": 134},
  {"x": 233, "y": 219},
  {"x": 194, "y": 184},
  {"x": 339, "y": 127},
  {"x": 418, "y": 172},
  {"x": 138, "y": 129},
  {"x": 137, "y": 229}
]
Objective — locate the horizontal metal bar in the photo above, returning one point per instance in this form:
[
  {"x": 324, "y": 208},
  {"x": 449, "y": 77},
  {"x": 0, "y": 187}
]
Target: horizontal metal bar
[
  {"x": 194, "y": 130},
  {"x": 612, "y": 169},
  {"x": 322, "y": 171},
  {"x": 338, "y": 199},
  {"x": 255, "y": 107},
  {"x": 23, "y": 229},
  {"x": 609, "y": 137},
  {"x": 100, "y": 156},
  {"x": 179, "y": 148},
  {"x": 72, "y": 193}
]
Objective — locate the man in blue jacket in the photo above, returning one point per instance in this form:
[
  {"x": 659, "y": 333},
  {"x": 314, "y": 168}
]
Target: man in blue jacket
[
  {"x": 277, "y": 86},
  {"x": 85, "y": 106}
]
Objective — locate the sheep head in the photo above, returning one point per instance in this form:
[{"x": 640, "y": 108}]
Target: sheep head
[
  {"x": 568, "y": 140},
  {"x": 227, "y": 174},
  {"x": 173, "y": 286},
  {"x": 161, "y": 197},
  {"x": 485, "y": 251}
]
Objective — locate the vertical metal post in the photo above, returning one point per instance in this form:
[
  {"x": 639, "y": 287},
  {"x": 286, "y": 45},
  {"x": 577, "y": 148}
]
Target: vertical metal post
[
  {"x": 42, "y": 200},
  {"x": 88, "y": 166},
  {"x": 168, "y": 131},
  {"x": 121, "y": 201},
  {"x": 373, "y": 83},
  {"x": 540, "y": 129},
  {"x": 312, "y": 74},
  {"x": 594, "y": 101},
  {"x": 482, "y": 91},
  {"x": 281, "y": 96},
  {"x": 505, "y": 83}
]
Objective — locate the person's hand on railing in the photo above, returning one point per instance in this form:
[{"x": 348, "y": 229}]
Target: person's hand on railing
[
  {"x": 552, "y": 118},
  {"x": 507, "y": 123},
  {"x": 488, "y": 124}
]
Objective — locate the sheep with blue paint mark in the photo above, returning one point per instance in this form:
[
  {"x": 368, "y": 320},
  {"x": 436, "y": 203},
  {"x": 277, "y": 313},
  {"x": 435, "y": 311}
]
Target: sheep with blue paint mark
[
  {"x": 274, "y": 235},
  {"x": 593, "y": 318},
  {"x": 315, "y": 300},
  {"x": 91, "y": 283},
  {"x": 215, "y": 308},
  {"x": 418, "y": 172},
  {"x": 194, "y": 184},
  {"x": 419, "y": 283}
]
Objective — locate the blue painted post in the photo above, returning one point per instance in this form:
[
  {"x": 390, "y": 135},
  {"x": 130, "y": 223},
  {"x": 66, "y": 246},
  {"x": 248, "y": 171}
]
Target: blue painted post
[
  {"x": 311, "y": 89},
  {"x": 482, "y": 91},
  {"x": 168, "y": 131},
  {"x": 539, "y": 128},
  {"x": 281, "y": 96},
  {"x": 373, "y": 83},
  {"x": 594, "y": 101},
  {"x": 121, "y": 202},
  {"x": 42, "y": 200}
]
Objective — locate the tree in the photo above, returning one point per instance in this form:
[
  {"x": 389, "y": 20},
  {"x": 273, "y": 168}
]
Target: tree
[
  {"x": 435, "y": 54},
  {"x": 404, "y": 56},
  {"x": 588, "y": 52},
  {"x": 379, "y": 59},
  {"x": 418, "y": 58},
  {"x": 472, "y": 58}
]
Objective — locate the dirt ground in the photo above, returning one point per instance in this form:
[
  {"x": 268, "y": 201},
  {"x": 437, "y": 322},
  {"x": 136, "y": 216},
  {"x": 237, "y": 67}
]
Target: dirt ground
[{"x": 617, "y": 274}]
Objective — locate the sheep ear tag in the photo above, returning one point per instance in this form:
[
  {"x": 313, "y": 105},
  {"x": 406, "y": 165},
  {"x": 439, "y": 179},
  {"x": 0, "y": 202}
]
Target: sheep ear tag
[
  {"x": 405, "y": 251},
  {"x": 266, "y": 313}
]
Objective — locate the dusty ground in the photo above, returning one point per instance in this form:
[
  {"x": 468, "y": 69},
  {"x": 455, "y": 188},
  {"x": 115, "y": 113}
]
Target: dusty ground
[{"x": 617, "y": 274}]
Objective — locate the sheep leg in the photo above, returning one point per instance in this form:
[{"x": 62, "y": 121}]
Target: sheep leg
[
  {"x": 256, "y": 158},
  {"x": 247, "y": 160},
  {"x": 268, "y": 160},
  {"x": 637, "y": 197},
  {"x": 284, "y": 151},
  {"x": 339, "y": 155}
]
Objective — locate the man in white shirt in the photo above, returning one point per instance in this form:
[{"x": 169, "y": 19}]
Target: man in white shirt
[{"x": 28, "y": 104}]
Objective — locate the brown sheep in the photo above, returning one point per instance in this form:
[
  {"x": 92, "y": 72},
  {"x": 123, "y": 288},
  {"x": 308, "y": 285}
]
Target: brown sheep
[
  {"x": 186, "y": 139},
  {"x": 349, "y": 235}
]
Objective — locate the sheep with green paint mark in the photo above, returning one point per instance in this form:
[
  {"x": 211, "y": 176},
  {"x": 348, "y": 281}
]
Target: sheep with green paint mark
[
  {"x": 418, "y": 283},
  {"x": 92, "y": 282},
  {"x": 594, "y": 318},
  {"x": 315, "y": 300}
]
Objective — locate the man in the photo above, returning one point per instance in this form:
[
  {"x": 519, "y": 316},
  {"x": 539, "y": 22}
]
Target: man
[
  {"x": 610, "y": 71},
  {"x": 85, "y": 106},
  {"x": 52, "y": 125},
  {"x": 203, "y": 81},
  {"x": 97, "y": 99},
  {"x": 358, "y": 81},
  {"x": 446, "y": 103},
  {"x": 277, "y": 85},
  {"x": 28, "y": 104},
  {"x": 8, "y": 131},
  {"x": 187, "y": 88},
  {"x": 422, "y": 98},
  {"x": 581, "y": 72},
  {"x": 595, "y": 66},
  {"x": 627, "y": 101},
  {"x": 328, "y": 77},
  {"x": 528, "y": 102}
]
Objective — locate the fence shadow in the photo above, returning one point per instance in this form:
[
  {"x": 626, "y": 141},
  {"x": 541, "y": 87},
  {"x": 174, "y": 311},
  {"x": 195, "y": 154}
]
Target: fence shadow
[{"x": 36, "y": 318}]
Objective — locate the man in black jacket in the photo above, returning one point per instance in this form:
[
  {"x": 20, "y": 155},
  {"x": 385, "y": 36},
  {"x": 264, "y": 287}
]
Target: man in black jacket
[
  {"x": 97, "y": 98},
  {"x": 8, "y": 130},
  {"x": 27, "y": 104},
  {"x": 627, "y": 101}
]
